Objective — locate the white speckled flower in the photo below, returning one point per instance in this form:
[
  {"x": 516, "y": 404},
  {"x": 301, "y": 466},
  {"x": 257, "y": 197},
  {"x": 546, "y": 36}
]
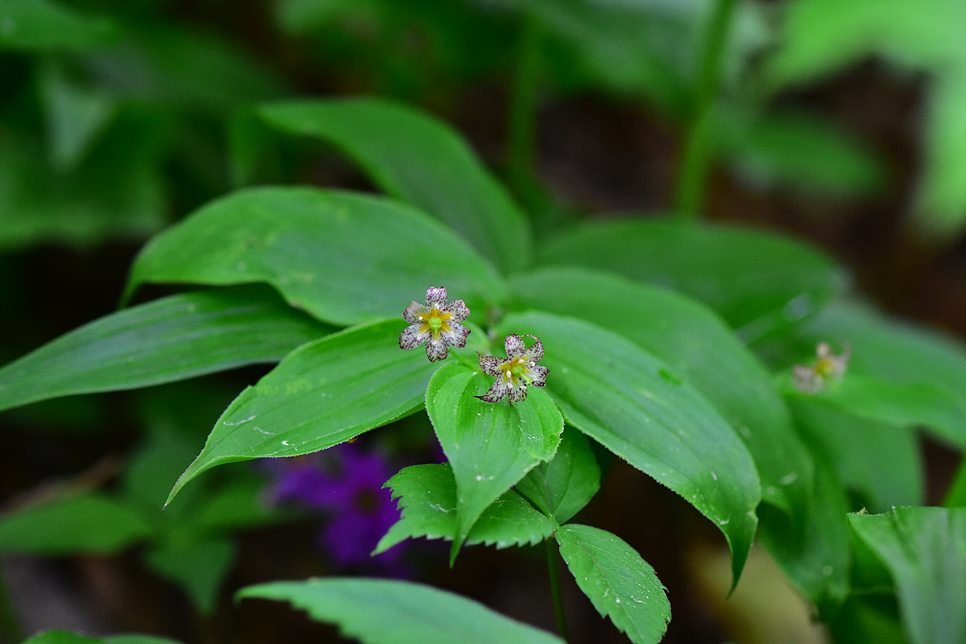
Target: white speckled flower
[
  {"x": 813, "y": 378},
  {"x": 437, "y": 323},
  {"x": 515, "y": 372}
]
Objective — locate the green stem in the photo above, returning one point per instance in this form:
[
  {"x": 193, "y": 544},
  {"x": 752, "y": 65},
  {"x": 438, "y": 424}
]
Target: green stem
[
  {"x": 558, "y": 609},
  {"x": 521, "y": 148},
  {"x": 696, "y": 159}
]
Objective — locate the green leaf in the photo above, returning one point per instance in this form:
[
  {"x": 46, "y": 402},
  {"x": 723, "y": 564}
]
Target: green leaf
[
  {"x": 378, "y": 611},
  {"x": 813, "y": 549},
  {"x": 420, "y": 160},
  {"x": 759, "y": 282},
  {"x": 76, "y": 115},
  {"x": 700, "y": 349},
  {"x": 41, "y": 25},
  {"x": 198, "y": 567},
  {"x": 925, "y": 551},
  {"x": 324, "y": 393},
  {"x": 885, "y": 354},
  {"x": 345, "y": 258},
  {"x": 562, "y": 487},
  {"x": 85, "y": 523},
  {"x": 942, "y": 193},
  {"x": 620, "y": 584},
  {"x": 638, "y": 408},
  {"x": 66, "y": 637},
  {"x": 427, "y": 498},
  {"x": 880, "y": 461},
  {"x": 490, "y": 446},
  {"x": 169, "y": 339}
]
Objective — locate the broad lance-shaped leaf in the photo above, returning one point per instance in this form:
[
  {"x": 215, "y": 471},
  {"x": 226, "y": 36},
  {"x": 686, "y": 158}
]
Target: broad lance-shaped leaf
[
  {"x": 382, "y": 611},
  {"x": 925, "y": 552},
  {"x": 86, "y": 523},
  {"x": 43, "y": 25},
  {"x": 758, "y": 282},
  {"x": 418, "y": 159},
  {"x": 345, "y": 258},
  {"x": 169, "y": 339},
  {"x": 562, "y": 487},
  {"x": 700, "y": 349},
  {"x": 427, "y": 499},
  {"x": 320, "y": 395},
  {"x": 635, "y": 406},
  {"x": 490, "y": 446},
  {"x": 620, "y": 584},
  {"x": 198, "y": 567}
]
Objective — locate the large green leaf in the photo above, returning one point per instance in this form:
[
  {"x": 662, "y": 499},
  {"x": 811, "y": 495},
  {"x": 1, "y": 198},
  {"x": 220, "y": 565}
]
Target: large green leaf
[
  {"x": 880, "y": 461},
  {"x": 86, "y": 523},
  {"x": 320, "y": 395},
  {"x": 490, "y": 446},
  {"x": 700, "y": 349},
  {"x": 885, "y": 354},
  {"x": 620, "y": 584},
  {"x": 379, "y": 611},
  {"x": 42, "y": 25},
  {"x": 637, "y": 407},
  {"x": 345, "y": 258},
  {"x": 942, "y": 193},
  {"x": 562, "y": 487},
  {"x": 169, "y": 339},
  {"x": 757, "y": 281},
  {"x": 427, "y": 498},
  {"x": 418, "y": 159},
  {"x": 66, "y": 637},
  {"x": 925, "y": 552}
]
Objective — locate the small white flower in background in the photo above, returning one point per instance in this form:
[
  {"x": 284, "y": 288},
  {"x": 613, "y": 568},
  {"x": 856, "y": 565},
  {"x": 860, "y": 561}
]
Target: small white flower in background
[
  {"x": 813, "y": 378},
  {"x": 437, "y": 323},
  {"x": 515, "y": 372}
]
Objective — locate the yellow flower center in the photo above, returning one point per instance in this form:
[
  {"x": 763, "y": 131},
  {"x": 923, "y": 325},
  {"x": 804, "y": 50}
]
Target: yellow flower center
[
  {"x": 825, "y": 367},
  {"x": 516, "y": 369},
  {"x": 435, "y": 321}
]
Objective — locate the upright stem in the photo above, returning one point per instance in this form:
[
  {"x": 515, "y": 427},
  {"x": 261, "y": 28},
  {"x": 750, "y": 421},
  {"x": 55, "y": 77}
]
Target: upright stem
[
  {"x": 558, "y": 609},
  {"x": 698, "y": 147},
  {"x": 523, "y": 110}
]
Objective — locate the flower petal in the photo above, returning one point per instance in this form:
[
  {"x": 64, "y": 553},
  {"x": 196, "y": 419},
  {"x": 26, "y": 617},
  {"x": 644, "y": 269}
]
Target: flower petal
[
  {"x": 538, "y": 375},
  {"x": 456, "y": 336},
  {"x": 411, "y": 338},
  {"x": 497, "y": 392},
  {"x": 490, "y": 364},
  {"x": 519, "y": 392},
  {"x": 459, "y": 310},
  {"x": 411, "y": 314},
  {"x": 436, "y": 296},
  {"x": 514, "y": 346},
  {"x": 536, "y": 351},
  {"x": 436, "y": 350}
]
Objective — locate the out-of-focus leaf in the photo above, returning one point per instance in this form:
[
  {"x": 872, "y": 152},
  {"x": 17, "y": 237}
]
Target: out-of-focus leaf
[
  {"x": 956, "y": 496},
  {"x": 620, "y": 584},
  {"x": 637, "y": 407},
  {"x": 398, "y": 612},
  {"x": 198, "y": 567},
  {"x": 116, "y": 193},
  {"x": 76, "y": 114},
  {"x": 343, "y": 257},
  {"x": 85, "y": 523},
  {"x": 759, "y": 282},
  {"x": 942, "y": 194},
  {"x": 66, "y": 637},
  {"x": 878, "y": 460},
  {"x": 169, "y": 339},
  {"x": 925, "y": 551},
  {"x": 865, "y": 619},
  {"x": 489, "y": 446},
  {"x": 562, "y": 487},
  {"x": 427, "y": 498},
  {"x": 42, "y": 25},
  {"x": 324, "y": 393},
  {"x": 700, "y": 349},
  {"x": 417, "y": 159},
  {"x": 801, "y": 152},
  {"x": 813, "y": 549}
]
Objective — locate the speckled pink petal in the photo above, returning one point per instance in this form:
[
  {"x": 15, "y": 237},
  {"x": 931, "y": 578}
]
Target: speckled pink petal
[
  {"x": 535, "y": 352},
  {"x": 497, "y": 392},
  {"x": 456, "y": 336},
  {"x": 459, "y": 310},
  {"x": 514, "y": 346},
  {"x": 411, "y": 314},
  {"x": 436, "y": 296},
  {"x": 538, "y": 375},
  {"x": 436, "y": 350},
  {"x": 411, "y": 338},
  {"x": 490, "y": 364},
  {"x": 519, "y": 392}
]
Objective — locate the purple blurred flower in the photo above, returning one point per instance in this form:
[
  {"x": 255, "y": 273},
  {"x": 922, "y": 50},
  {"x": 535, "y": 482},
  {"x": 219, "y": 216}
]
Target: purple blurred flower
[{"x": 345, "y": 483}]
